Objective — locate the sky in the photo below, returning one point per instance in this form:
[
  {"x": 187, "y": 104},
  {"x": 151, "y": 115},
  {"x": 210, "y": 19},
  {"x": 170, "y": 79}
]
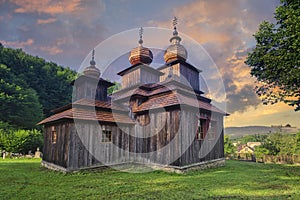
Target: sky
[{"x": 66, "y": 31}]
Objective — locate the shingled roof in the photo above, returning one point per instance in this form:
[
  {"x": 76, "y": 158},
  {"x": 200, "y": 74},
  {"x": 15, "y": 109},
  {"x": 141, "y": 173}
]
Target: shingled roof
[
  {"x": 175, "y": 98},
  {"x": 89, "y": 114}
]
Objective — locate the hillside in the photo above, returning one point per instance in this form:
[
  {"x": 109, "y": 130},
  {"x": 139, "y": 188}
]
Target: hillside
[
  {"x": 30, "y": 88},
  {"x": 234, "y": 132}
]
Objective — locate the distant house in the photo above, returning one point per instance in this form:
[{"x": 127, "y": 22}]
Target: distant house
[
  {"x": 253, "y": 144},
  {"x": 158, "y": 118}
]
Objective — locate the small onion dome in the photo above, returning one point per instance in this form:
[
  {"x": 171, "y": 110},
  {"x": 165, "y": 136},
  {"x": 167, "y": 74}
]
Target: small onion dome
[
  {"x": 140, "y": 54},
  {"x": 175, "y": 51},
  {"x": 92, "y": 70}
]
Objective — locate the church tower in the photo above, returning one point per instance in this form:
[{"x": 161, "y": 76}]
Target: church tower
[
  {"x": 89, "y": 85},
  {"x": 140, "y": 72},
  {"x": 175, "y": 63}
]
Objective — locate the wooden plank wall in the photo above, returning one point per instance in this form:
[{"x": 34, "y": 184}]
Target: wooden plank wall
[
  {"x": 87, "y": 149},
  {"x": 169, "y": 138},
  {"x": 176, "y": 71},
  {"x": 197, "y": 151},
  {"x": 148, "y": 77},
  {"x": 131, "y": 78},
  {"x": 187, "y": 74},
  {"x": 57, "y": 153}
]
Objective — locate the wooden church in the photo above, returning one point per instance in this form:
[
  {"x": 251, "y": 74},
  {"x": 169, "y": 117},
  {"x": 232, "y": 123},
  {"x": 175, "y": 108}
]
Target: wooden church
[{"x": 159, "y": 118}]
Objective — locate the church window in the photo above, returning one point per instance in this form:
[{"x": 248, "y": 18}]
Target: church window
[
  {"x": 53, "y": 135},
  {"x": 106, "y": 136}
]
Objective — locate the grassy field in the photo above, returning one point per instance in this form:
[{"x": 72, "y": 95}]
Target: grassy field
[{"x": 26, "y": 179}]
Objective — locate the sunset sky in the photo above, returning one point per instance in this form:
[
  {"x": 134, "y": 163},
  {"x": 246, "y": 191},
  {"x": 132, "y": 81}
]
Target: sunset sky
[{"x": 65, "y": 32}]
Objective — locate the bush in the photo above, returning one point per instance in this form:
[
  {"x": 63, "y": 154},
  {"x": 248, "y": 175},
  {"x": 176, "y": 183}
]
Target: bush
[{"x": 20, "y": 141}]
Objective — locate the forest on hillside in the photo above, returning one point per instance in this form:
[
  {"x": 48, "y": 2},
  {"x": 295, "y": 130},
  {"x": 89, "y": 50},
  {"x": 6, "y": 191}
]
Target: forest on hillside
[{"x": 30, "y": 88}]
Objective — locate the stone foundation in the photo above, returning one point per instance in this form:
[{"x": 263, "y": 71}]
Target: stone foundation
[{"x": 123, "y": 166}]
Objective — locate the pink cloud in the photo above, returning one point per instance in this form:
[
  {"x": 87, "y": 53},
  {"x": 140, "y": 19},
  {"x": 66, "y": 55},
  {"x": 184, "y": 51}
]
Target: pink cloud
[
  {"x": 18, "y": 44},
  {"x": 46, "y": 6},
  {"x": 51, "y": 50},
  {"x": 46, "y": 21}
]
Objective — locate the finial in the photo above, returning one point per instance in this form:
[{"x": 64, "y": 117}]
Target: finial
[
  {"x": 92, "y": 62},
  {"x": 175, "y": 22},
  {"x": 141, "y": 31}
]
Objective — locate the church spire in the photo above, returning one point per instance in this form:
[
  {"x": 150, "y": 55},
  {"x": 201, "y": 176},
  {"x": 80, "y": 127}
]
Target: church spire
[
  {"x": 140, "y": 54},
  {"x": 175, "y": 51},
  {"x": 92, "y": 70}
]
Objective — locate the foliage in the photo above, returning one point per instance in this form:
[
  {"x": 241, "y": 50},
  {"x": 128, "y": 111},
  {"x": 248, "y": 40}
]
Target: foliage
[
  {"x": 30, "y": 87},
  {"x": 297, "y": 148},
  {"x": 114, "y": 88},
  {"x": 25, "y": 179},
  {"x": 275, "y": 60},
  {"x": 20, "y": 106},
  {"x": 228, "y": 146},
  {"x": 260, "y": 151},
  {"x": 280, "y": 144},
  {"x": 20, "y": 141}
]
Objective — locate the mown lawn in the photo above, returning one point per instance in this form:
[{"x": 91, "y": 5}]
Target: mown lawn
[{"x": 26, "y": 179}]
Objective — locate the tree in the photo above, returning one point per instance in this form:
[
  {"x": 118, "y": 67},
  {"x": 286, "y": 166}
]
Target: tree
[
  {"x": 20, "y": 106},
  {"x": 297, "y": 149},
  {"x": 228, "y": 146},
  {"x": 260, "y": 151},
  {"x": 275, "y": 61},
  {"x": 50, "y": 81},
  {"x": 288, "y": 145},
  {"x": 114, "y": 88}
]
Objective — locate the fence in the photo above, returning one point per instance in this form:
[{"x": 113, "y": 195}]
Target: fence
[{"x": 280, "y": 159}]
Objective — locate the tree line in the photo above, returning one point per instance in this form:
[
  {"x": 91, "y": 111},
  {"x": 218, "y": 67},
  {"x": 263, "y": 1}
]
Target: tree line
[{"x": 30, "y": 88}]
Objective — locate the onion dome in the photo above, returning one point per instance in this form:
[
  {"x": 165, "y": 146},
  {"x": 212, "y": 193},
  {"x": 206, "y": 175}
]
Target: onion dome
[
  {"x": 175, "y": 51},
  {"x": 92, "y": 70},
  {"x": 140, "y": 54}
]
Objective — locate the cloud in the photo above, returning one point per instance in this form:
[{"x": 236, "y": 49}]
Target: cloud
[
  {"x": 225, "y": 29},
  {"x": 18, "y": 44},
  {"x": 46, "y": 6},
  {"x": 46, "y": 21},
  {"x": 51, "y": 50},
  {"x": 63, "y": 31}
]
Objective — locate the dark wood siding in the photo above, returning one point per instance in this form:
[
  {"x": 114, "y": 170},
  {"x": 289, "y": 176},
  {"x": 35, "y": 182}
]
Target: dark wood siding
[
  {"x": 186, "y": 75},
  {"x": 58, "y": 152},
  {"x": 131, "y": 78},
  {"x": 168, "y": 139}
]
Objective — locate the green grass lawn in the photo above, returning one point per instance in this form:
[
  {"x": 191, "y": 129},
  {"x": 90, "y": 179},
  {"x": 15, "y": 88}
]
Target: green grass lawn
[{"x": 26, "y": 179}]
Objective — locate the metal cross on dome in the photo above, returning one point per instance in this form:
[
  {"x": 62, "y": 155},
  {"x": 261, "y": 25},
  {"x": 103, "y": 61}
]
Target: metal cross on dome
[
  {"x": 93, "y": 54},
  {"x": 141, "y": 31},
  {"x": 175, "y": 22}
]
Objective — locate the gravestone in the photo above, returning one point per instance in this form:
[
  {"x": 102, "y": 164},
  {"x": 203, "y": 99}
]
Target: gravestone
[{"x": 37, "y": 154}]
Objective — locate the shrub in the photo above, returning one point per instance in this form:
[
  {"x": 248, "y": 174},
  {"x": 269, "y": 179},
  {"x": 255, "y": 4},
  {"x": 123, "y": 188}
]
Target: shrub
[{"x": 20, "y": 141}]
